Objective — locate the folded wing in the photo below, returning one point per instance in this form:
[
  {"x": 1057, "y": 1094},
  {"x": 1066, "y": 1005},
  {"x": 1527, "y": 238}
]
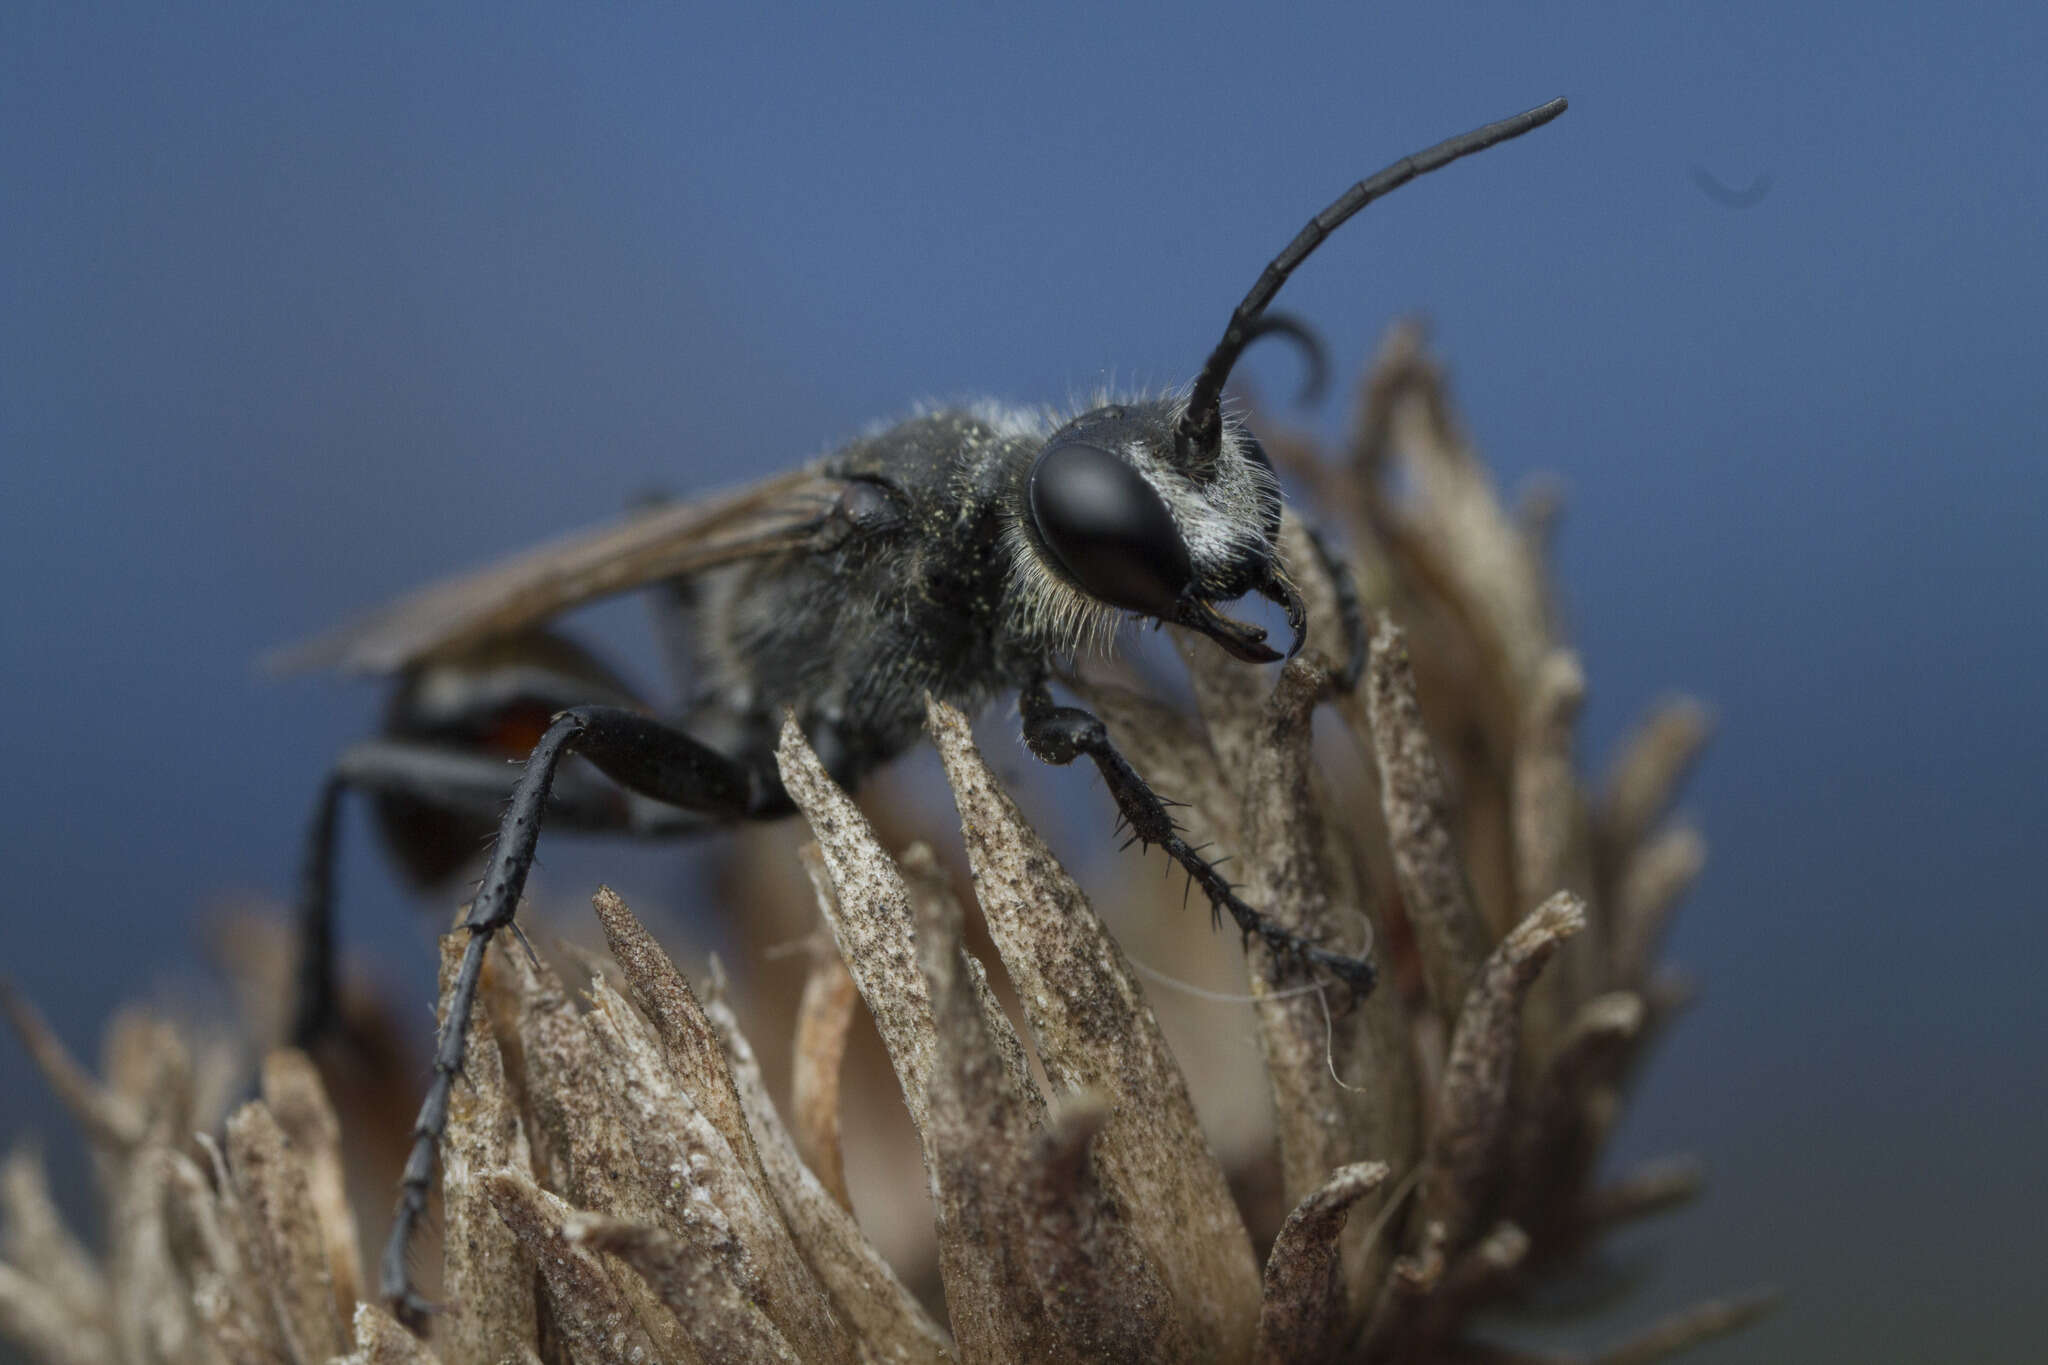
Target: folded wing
[{"x": 778, "y": 515}]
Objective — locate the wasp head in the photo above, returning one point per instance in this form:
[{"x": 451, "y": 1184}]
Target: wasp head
[
  {"x": 1116, "y": 517},
  {"x": 1168, "y": 508}
]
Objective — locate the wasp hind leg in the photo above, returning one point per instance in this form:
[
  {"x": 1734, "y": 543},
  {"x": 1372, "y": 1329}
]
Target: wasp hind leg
[
  {"x": 316, "y": 1010},
  {"x": 645, "y": 756},
  {"x": 1060, "y": 734}
]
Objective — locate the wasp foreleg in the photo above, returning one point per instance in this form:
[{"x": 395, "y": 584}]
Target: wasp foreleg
[{"x": 1060, "y": 734}]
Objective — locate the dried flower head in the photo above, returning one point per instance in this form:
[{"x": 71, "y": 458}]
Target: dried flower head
[{"x": 618, "y": 1185}]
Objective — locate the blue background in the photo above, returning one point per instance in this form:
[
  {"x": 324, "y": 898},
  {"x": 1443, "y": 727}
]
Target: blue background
[{"x": 301, "y": 305}]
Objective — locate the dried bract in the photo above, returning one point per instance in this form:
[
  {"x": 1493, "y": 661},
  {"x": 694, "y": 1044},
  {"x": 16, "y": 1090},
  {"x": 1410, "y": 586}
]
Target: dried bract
[{"x": 617, "y": 1184}]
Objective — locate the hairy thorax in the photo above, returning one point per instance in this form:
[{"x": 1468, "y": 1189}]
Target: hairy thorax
[{"x": 913, "y": 597}]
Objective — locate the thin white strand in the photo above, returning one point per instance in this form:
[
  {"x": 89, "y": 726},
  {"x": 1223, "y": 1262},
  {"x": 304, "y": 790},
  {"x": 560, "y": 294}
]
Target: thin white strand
[
  {"x": 1330, "y": 1045},
  {"x": 1223, "y": 997},
  {"x": 1401, "y": 1192},
  {"x": 1317, "y": 988}
]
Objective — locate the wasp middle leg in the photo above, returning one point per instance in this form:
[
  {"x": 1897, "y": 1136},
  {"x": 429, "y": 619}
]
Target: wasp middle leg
[
  {"x": 438, "y": 777},
  {"x": 643, "y": 755},
  {"x": 447, "y": 795}
]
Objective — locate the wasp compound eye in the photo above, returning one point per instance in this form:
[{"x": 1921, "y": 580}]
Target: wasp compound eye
[{"x": 1109, "y": 529}]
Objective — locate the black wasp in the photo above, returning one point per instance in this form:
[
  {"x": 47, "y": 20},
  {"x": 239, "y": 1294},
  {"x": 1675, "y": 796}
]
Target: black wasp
[{"x": 956, "y": 554}]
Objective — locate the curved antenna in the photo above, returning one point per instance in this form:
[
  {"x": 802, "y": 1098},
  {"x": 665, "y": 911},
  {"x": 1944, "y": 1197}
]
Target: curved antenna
[
  {"x": 1201, "y": 426},
  {"x": 1315, "y": 358}
]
